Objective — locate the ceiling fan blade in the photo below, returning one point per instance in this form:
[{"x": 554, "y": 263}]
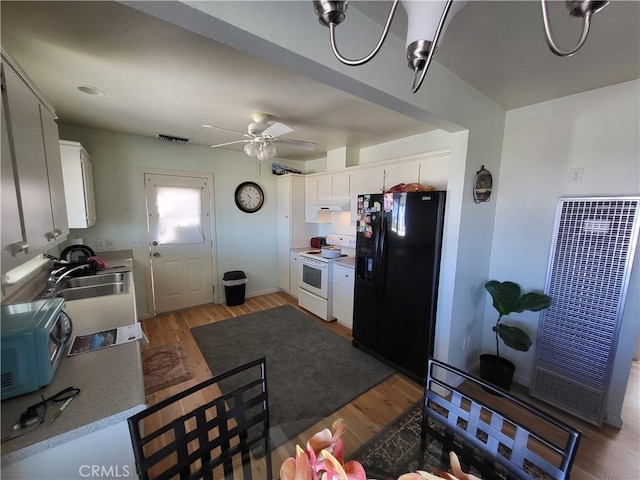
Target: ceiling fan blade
[
  {"x": 227, "y": 130},
  {"x": 277, "y": 129},
  {"x": 310, "y": 146},
  {"x": 229, "y": 143}
]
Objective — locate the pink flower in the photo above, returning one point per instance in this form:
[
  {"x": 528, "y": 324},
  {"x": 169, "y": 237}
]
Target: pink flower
[
  {"x": 330, "y": 441},
  {"x": 297, "y": 468},
  {"x": 323, "y": 458}
]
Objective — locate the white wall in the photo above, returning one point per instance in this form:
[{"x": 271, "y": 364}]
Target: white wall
[
  {"x": 415, "y": 144},
  {"x": 596, "y": 131},
  {"x": 243, "y": 241}
]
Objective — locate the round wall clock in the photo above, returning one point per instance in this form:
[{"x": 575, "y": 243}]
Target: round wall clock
[{"x": 249, "y": 197}]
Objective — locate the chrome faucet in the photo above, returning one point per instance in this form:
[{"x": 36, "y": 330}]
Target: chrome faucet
[{"x": 54, "y": 280}]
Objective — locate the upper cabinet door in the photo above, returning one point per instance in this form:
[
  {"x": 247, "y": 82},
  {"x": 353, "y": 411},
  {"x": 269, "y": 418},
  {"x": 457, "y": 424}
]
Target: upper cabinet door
[
  {"x": 54, "y": 172},
  {"x": 77, "y": 172},
  {"x": 332, "y": 186},
  {"x": 13, "y": 244},
  {"x": 284, "y": 194},
  {"x": 325, "y": 188},
  {"x": 340, "y": 184},
  {"x": 30, "y": 162},
  {"x": 401, "y": 173}
]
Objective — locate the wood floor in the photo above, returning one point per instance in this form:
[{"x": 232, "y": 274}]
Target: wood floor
[{"x": 604, "y": 453}]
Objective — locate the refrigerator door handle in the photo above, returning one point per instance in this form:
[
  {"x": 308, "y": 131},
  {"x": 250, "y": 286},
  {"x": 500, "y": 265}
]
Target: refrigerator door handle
[
  {"x": 382, "y": 261},
  {"x": 381, "y": 251}
]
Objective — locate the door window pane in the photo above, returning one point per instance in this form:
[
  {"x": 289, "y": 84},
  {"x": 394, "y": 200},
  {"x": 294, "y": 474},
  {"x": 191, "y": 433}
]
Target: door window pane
[{"x": 179, "y": 210}]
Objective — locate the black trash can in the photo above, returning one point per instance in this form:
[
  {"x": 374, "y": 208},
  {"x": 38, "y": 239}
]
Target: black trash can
[{"x": 234, "y": 287}]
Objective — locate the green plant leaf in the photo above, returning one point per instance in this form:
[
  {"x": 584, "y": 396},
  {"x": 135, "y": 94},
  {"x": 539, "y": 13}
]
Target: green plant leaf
[
  {"x": 507, "y": 298},
  {"x": 533, "y": 302},
  {"x": 505, "y": 295},
  {"x": 514, "y": 337}
]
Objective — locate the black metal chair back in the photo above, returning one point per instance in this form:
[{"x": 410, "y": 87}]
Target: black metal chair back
[
  {"x": 214, "y": 435},
  {"x": 494, "y": 444}
]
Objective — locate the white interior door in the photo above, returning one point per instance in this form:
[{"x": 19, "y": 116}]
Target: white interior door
[{"x": 179, "y": 226}]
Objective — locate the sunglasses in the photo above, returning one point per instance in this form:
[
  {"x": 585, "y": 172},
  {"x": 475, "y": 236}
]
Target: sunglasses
[{"x": 35, "y": 415}]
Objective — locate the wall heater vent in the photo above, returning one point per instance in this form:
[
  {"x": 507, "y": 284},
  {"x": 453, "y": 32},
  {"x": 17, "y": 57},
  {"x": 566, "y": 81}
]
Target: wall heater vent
[{"x": 587, "y": 279}]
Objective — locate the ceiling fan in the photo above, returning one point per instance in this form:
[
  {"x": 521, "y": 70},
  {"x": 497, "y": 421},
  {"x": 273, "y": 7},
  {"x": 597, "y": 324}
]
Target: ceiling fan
[{"x": 262, "y": 136}]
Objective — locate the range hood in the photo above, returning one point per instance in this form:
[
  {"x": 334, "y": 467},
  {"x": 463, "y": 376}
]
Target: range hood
[{"x": 334, "y": 205}]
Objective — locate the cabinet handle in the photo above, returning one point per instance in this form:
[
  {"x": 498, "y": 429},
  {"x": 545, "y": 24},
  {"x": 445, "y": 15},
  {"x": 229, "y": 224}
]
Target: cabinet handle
[{"x": 19, "y": 247}]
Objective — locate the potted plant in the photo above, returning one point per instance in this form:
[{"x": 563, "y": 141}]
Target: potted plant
[{"x": 507, "y": 298}]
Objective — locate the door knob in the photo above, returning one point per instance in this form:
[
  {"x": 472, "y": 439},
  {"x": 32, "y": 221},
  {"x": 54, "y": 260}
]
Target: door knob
[{"x": 156, "y": 254}]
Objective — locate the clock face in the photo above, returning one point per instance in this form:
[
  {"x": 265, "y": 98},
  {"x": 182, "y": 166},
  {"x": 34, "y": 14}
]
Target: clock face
[{"x": 249, "y": 197}]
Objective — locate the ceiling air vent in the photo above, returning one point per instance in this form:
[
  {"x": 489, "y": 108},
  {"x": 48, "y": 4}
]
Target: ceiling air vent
[{"x": 172, "y": 138}]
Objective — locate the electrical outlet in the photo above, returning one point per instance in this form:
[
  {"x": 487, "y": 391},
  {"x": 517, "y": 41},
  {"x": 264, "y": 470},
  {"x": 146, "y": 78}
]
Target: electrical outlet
[
  {"x": 100, "y": 245},
  {"x": 137, "y": 243},
  {"x": 110, "y": 244},
  {"x": 466, "y": 342},
  {"x": 575, "y": 175}
]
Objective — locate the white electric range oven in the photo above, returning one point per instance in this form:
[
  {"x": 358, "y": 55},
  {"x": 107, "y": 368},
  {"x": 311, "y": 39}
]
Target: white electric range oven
[{"x": 316, "y": 276}]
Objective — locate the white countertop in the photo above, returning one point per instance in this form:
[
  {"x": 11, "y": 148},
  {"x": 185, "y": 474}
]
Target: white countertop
[
  {"x": 110, "y": 382},
  {"x": 349, "y": 262},
  {"x": 303, "y": 249}
]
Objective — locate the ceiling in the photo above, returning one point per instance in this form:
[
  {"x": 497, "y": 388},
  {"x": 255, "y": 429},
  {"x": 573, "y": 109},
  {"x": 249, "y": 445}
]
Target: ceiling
[{"x": 159, "y": 78}]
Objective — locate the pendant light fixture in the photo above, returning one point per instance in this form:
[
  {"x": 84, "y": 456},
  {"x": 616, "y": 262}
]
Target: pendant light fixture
[
  {"x": 577, "y": 8},
  {"x": 427, "y": 22}
]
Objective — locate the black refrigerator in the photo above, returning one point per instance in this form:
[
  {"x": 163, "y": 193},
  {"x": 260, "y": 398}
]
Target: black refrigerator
[{"x": 399, "y": 241}]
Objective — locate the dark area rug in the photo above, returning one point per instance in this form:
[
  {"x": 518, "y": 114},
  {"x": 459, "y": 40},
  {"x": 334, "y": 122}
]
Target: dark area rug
[
  {"x": 164, "y": 367},
  {"x": 395, "y": 449},
  {"x": 311, "y": 371}
]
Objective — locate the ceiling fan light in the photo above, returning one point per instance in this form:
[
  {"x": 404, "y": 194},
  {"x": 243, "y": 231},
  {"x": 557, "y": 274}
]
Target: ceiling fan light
[
  {"x": 271, "y": 150},
  {"x": 251, "y": 149},
  {"x": 263, "y": 154}
]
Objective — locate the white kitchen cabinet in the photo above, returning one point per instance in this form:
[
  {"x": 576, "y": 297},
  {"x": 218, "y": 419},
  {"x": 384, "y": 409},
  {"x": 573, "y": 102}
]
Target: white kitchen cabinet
[
  {"x": 401, "y": 173},
  {"x": 343, "y": 285},
  {"x": 312, "y": 214},
  {"x": 78, "y": 185},
  {"x": 54, "y": 171},
  {"x": 434, "y": 171},
  {"x": 12, "y": 238},
  {"x": 340, "y": 183},
  {"x": 333, "y": 186},
  {"x": 292, "y": 230},
  {"x": 369, "y": 180},
  {"x": 325, "y": 188},
  {"x": 31, "y": 138},
  {"x": 294, "y": 274}
]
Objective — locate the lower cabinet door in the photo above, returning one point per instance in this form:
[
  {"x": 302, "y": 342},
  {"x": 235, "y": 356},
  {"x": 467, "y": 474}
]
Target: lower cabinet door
[{"x": 343, "y": 281}]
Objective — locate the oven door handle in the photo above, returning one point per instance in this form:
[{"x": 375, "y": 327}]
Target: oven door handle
[{"x": 313, "y": 264}]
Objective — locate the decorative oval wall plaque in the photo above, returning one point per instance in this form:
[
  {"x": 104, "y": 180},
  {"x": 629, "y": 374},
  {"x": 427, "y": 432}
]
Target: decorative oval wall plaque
[{"x": 482, "y": 185}]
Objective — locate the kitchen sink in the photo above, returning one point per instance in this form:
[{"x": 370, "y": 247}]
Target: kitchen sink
[
  {"x": 89, "y": 286},
  {"x": 90, "y": 291},
  {"x": 92, "y": 280}
]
